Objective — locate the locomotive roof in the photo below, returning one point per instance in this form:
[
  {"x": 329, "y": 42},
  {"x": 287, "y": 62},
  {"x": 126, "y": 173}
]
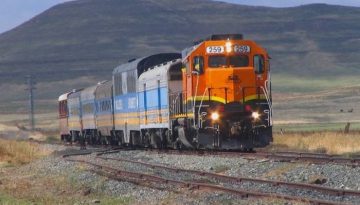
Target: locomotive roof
[
  {"x": 144, "y": 63},
  {"x": 163, "y": 68}
]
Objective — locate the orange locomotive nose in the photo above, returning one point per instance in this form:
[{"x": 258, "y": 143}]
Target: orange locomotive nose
[{"x": 227, "y": 71}]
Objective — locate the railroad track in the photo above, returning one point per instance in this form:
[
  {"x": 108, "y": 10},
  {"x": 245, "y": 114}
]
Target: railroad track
[
  {"x": 327, "y": 190},
  {"x": 316, "y": 158},
  {"x": 213, "y": 181},
  {"x": 282, "y": 156}
]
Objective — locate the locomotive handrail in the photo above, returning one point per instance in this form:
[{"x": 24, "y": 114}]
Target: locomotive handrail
[
  {"x": 196, "y": 90},
  {"x": 174, "y": 109},
  {"x": 201, "y": 102},
  {"x": 267, "y": 92},
  {"x": 176, "y": 103},
  {"x": 248, "y": 87},
  {"x": 269, "y": 103}
]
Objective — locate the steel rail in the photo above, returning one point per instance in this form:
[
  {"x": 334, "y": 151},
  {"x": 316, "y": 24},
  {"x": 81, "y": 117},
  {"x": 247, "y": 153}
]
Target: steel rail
[
  {"x": 282, "y": 156},
  {"x": 354, "y": 162},
  {"x": 327, "y": 190},
  {"x": 242, "y": 193},
  {"x": 290, "y": 156}
]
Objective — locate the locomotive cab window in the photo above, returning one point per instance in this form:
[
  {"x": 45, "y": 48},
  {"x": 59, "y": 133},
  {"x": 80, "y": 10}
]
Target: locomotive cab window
[
  {"x": 218, "y": 61},
  {"x": 239, "y": 61},
  {"x": 198, "y": 64},
  {"x": 259, "y": 64},
  {"x": 221, "y": 61}
]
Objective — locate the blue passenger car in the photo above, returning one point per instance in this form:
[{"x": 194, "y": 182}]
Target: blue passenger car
[
  {"x": 104, "y": 112},
  {"x": 156, "y": 86},
  {"x": 75, "y": 115},
  {"x": 125, "y": 82},
  {"x": 89, "y": 113}
]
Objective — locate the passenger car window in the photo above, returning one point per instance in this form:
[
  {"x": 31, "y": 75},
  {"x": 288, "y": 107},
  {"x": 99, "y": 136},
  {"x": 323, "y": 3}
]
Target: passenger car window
[
  {"x": 258, "y": 64},
  {"x": 118, "y": 84}
]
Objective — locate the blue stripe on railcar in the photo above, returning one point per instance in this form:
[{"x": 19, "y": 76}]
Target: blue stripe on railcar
[
  {"x": 164, "y": 97},
  {"x": 74, "y": 110},
  {"x": 126, "y": 103},
  {"x": 104, "y": 106},
  {"x": 153, "y": 99},
  {"x": 88, "y": 107}
]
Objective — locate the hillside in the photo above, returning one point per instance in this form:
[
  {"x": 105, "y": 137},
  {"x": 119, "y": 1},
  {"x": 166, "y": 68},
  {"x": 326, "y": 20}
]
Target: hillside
[{"x": 91, "y": 37}]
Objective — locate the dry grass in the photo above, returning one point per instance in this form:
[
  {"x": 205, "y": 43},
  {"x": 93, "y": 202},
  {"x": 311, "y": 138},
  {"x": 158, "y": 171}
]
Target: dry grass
[
  {"x": 18, "y": 188},
  {"x": 279, "y": 171},
  {"x": 14, "y": 152},
  {"x": 325, "y": 142}
]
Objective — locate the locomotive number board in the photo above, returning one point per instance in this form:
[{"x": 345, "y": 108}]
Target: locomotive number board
[
  {"x": 241, "y": 49},
  {"x": 215, "y": 49},
  {"x": 221, "y": 49}
]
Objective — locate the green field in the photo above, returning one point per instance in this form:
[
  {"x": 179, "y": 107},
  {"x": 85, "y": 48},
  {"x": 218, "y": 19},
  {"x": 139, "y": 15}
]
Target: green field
[
  {"x": 282, "y": 83},
  {"x": 315, "y": 127}
]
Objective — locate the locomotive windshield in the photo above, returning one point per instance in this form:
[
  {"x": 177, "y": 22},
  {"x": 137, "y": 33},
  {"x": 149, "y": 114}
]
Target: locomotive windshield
[
  {"x": 221, "y": 61},
  {"x": 217, "y": 61},
  {"x": 238, "y": 61}
]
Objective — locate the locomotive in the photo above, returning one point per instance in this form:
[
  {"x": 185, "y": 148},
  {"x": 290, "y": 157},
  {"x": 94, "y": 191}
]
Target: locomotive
[{"x": 216, "y": 94}]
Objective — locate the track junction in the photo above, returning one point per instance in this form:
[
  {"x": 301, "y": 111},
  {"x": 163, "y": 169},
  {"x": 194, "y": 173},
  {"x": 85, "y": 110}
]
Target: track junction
[{"x": 102, "y": 161}]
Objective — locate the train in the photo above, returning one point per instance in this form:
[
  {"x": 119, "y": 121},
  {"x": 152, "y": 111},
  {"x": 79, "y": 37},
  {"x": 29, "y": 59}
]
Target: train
[{"x": 215, "y": 94}]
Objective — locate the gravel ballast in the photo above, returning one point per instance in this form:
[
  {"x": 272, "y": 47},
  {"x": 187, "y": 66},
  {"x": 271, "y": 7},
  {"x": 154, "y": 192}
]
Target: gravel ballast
[{"x": 329, "y": 175}]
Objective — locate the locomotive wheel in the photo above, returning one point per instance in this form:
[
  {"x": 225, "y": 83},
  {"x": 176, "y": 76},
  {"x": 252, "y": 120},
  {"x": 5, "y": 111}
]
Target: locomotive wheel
[
  {"x": 119, "y": 138},
  {"x": 179, "y": 145},
  {"x": 146, "y": 140},
  {"x": 68, "y": 138},
  {"x": 114, "y": 138},
  {"x": 155, "y": 140}
]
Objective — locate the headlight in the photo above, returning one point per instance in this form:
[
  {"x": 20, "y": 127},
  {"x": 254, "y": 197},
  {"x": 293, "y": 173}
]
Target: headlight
[
  {"x": 215, "y": 116},
  {"x": 255, "y": 115},
  {"x": 228, "y": 47}
]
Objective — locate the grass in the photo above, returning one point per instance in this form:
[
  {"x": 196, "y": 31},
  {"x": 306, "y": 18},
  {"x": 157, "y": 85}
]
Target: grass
[
  {"x": 9, "y": 200},
  {"x": 56, "y": 189},
  {"x": 292, "y": 83},
  {"x": 52, "y": 139},
  {"x": 318, "y": 127},
  {"x": 324, "y": 142},
  {"x": 279, "y": 171},
  {"x": 19, "y": 152},
  {"x": 220, "y": 168}
]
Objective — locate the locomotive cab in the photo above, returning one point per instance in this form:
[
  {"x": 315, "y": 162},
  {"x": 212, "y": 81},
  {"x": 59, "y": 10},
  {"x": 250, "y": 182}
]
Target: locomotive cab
[{"x": 226, "y": 90}]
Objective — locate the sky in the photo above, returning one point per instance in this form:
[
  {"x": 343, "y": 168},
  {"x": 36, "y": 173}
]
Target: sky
[{"x": 15, "y": 12}]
